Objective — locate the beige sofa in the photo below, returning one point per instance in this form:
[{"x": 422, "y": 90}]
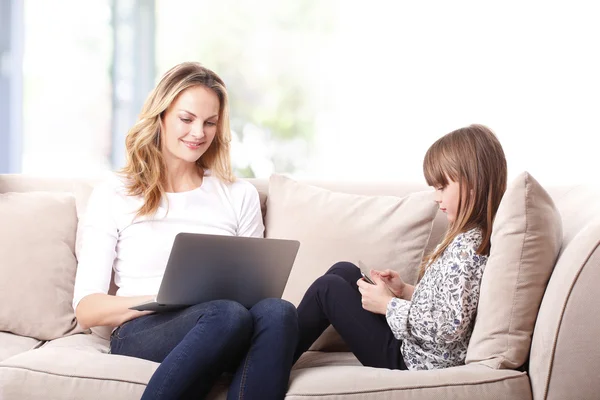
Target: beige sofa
[{"x": 536, "y": 334}]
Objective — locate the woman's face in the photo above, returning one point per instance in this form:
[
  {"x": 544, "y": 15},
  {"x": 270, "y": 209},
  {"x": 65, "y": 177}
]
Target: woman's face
[
  {"x": 447, "y": 198},
  {"x": 189, "y": 125}
]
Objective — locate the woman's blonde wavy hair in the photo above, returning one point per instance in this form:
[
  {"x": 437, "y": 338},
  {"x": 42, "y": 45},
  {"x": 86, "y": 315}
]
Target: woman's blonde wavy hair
[
  {"x": 473, "y": 157},
  {"x": 145, "y": 170}
]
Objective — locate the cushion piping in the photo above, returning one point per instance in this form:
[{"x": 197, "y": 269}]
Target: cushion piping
[
  {"x": 518, "y": 281},
  {"x": 70, "y": 376},
  {"x": 359, "y": 391}
]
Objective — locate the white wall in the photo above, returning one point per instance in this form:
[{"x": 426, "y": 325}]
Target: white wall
[{"x": 400, "y": 74}]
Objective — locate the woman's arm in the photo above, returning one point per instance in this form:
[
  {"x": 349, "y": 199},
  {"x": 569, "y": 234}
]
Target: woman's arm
[
  {"x": 100, "y": 309},
  {"x": 99, "y": 235},
  {"x": 248, "y": 206}
]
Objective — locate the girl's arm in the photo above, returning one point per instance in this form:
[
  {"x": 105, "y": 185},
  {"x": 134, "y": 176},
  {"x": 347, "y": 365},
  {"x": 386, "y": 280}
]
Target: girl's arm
[
  {"x": 396, "y": 285},
  {"x": 450, "y": 312},
  {"x": 408, "y": 291}
]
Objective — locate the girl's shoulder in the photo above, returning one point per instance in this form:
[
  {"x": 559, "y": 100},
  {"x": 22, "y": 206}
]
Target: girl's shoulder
[
  {"x": 471, "y": 234},
  {"x": 469, "y": 240}
]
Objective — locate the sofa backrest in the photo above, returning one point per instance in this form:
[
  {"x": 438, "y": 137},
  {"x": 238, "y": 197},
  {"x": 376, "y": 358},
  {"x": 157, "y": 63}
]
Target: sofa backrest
[
  {"x": 398, "y": 189},
  {"x": 565, "y": 356}
]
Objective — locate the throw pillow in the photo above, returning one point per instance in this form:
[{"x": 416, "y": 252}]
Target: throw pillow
[
  {"x": 37, "y": 264},
  {"x": 525, "y": 242},
  {"x": 382, "y": 231}
]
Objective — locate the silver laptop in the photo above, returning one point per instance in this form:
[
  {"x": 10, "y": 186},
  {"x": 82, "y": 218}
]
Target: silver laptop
[{"x": 203, "y": 267}]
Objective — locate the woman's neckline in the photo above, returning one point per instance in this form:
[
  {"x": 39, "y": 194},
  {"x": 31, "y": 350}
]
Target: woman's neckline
[{"x": 193, "y": 190}]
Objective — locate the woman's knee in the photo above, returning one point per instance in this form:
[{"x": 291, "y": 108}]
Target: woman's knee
[
  {"x": 277, "y": 309},
  {"x": 232, "y": 316},
  {"x": 277, "y": 316}
]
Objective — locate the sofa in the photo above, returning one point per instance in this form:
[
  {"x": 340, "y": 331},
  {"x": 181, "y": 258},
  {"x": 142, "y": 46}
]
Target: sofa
[{"x": 535, "y": 335}]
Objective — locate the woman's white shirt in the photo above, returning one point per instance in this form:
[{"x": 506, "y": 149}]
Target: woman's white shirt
[{"x": 137, "y": 249}]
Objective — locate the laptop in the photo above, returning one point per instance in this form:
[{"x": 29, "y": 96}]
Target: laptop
[{"x": 205, "y": 267}]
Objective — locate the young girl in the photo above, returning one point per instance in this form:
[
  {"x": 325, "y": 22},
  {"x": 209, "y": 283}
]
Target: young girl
[
  {"x": 178, "y": 178},
  {"x": 398, "y": 326}
]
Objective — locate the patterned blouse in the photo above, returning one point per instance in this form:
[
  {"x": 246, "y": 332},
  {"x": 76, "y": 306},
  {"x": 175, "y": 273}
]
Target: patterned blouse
[{"x": 436, "y": 325}]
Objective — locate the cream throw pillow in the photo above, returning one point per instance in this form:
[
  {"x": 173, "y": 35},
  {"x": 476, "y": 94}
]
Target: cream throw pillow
[
  {"x": 526, "y": 240},
  {"x": 37, "y": 264},
  {"x": 382, "y": 231}
]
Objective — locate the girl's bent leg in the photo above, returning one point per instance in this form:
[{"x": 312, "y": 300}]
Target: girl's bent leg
[
  {"x": 265, "y": 371},
  {"x": 334, "y": 299},
  {"x": 348, "y": 271},
  {"x": 194, "y": 346}
]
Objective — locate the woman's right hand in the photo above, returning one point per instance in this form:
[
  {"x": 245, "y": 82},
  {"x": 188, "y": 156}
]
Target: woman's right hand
[
  {"x": 107, "y": 310},
  {"x": 393, "y": 281}
]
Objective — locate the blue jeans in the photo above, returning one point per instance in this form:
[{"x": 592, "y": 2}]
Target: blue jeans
[{"x": 194, "y": 346}]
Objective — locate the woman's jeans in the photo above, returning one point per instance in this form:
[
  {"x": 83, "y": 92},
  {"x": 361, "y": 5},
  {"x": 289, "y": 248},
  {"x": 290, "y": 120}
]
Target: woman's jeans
[
  {"x": 194, "y": 346},
  {"x": 334, "y": 299}
]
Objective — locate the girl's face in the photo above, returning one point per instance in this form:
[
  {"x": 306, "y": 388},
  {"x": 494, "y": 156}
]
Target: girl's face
[
  {"x": 190, "y": 124},
  {"x": 447, "y": 198}
]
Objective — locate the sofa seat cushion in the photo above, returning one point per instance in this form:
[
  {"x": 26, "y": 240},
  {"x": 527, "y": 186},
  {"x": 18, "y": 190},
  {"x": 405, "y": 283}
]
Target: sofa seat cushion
[
  {"x": 11, "y": 344},
  {"x": 79, "y": 367},
  {"x": 340, "y": 376},
  {"x": 75, "y": 367}
]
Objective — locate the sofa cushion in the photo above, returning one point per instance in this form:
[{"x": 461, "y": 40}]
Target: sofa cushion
[
  {"x": 38, "y": 264},
  {"x": 525, "y": 243},
  {"x": 320, "y": 375},
  {"x": 11, "y": 344},
  {"x": 382, "y": 231},
  {"x": 78, "y": 367},
  {"x": 328, "y": 375},
  {"x": 75, "y": 367}
]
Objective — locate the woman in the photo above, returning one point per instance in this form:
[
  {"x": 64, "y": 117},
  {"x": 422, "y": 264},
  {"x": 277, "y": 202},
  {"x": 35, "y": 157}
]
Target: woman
[{"x": 178, "y": 178}]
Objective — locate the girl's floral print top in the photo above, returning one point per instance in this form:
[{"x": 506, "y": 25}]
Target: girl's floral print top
[{"x": 436, "y": 325}]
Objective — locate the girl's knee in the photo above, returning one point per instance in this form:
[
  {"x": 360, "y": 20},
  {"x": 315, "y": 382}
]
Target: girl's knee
[
  {"x": 325, "y": 283},
  {"x": 342, "y": 266}
]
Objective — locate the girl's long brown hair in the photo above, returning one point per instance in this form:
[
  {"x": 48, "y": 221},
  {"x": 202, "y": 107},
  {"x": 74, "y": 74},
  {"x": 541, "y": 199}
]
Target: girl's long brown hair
[
  {"x": 473, "y": 157},
  {"x": 145, "y": 170}
]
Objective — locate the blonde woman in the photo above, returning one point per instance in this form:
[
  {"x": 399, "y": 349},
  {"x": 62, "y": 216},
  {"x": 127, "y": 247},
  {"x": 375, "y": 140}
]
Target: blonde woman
[
  {"x": 390, "y": 324},
  {"x": 178, "y": 178}
]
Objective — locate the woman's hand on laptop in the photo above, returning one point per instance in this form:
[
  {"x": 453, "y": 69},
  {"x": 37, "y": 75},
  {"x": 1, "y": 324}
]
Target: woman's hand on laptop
[
  {"x": 100, "y": 309},
  {"x": 133, "y": 314}
]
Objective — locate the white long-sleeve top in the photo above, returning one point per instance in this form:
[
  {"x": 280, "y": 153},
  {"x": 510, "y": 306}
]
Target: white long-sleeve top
[
  {"x": 436, "y": 325},
  {"x": 137, "y": 249}
]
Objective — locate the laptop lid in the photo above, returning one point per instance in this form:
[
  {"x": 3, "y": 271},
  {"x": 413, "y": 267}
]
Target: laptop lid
[{"x": 205, "y": 267}]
